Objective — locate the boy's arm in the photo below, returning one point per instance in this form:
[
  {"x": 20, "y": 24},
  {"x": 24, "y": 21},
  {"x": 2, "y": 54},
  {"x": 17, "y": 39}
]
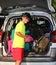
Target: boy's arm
[{"x": 21, "y": 35}]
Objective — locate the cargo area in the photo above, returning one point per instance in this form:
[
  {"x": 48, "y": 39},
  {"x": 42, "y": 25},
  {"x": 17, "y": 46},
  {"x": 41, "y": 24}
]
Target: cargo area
[{"x": 39, "y": 28}]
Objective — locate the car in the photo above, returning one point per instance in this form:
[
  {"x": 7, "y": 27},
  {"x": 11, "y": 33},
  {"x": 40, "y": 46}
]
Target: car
[
  {"x": 2, "y": 18},
  {"x": 41, "y": 18}
]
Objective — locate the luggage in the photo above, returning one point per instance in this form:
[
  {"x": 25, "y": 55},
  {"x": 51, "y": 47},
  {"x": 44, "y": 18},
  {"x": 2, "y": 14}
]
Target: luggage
[
  {"x": 27, "y": 32},
  {"x": 30, "y": 37},
  {"x": 27, "y": 46},
  {"x": 41, "y": 44},
  {"x": 37, "y": 33},
  {"x": 47, "y": 35},
  {"x": 12, "y": 33},
  {"x": 35, "y": 45}
]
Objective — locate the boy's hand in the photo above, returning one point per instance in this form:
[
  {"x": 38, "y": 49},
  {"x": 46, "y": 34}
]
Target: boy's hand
[{"x": 27, "y": 39}]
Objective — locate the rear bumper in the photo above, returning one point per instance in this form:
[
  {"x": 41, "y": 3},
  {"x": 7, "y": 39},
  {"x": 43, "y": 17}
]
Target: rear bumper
[
  {"x": 38, "y": 58},
  {"x": 29, "y": 59},
  {"x": 53, "y": 45}
]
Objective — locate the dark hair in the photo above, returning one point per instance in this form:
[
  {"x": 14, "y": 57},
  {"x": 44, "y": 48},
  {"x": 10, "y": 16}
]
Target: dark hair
[{"x": 26, "y": 15}]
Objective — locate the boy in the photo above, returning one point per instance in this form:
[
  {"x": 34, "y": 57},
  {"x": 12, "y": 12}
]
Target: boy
[{"x": 19, "y": 36}]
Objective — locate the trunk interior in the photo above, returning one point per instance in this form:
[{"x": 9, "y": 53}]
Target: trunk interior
[{"x": 37, "y": 27}]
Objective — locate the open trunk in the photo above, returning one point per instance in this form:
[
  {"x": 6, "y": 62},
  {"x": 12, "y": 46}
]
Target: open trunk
[{"x": 37, "y": 23}]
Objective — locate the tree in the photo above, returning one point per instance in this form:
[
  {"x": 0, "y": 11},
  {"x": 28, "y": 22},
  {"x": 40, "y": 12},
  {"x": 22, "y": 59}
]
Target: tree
[{"x": 54, "y": 4}]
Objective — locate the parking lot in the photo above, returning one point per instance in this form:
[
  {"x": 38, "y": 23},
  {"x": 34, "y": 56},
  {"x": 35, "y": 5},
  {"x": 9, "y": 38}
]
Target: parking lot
[{"x": 31, "y": 63}]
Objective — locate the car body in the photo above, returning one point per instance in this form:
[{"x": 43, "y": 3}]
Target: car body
[
  {"x": 2, "y": 18},
  {"x": 38, "y": 14}
]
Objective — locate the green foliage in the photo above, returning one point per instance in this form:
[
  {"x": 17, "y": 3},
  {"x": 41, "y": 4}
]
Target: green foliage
[{"x": 54, "y": 4}]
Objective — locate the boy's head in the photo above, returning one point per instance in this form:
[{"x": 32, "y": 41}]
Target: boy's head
[{"x": 26, "y": 17}]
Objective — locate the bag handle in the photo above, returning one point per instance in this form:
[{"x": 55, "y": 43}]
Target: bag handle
[{"x": 38, "y": 40}]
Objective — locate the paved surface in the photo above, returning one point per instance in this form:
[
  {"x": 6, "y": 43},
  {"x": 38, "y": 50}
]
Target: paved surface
[{"x": 39, "y": 63}]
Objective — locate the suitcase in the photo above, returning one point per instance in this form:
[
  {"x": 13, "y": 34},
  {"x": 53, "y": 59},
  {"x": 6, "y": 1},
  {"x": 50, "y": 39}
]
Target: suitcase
[
  {"x": 35, "y": 45},
  {"x": 41, "y": 44}
]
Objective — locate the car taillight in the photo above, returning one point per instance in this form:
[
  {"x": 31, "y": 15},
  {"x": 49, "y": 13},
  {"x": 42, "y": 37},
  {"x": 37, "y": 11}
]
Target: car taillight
[
  {"x": 53, "y": 37},
  {"x": 1, "y": 36}
]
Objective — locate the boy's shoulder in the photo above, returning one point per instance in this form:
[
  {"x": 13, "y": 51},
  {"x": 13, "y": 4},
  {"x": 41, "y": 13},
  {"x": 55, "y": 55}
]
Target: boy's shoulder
[{"x": 20, "y": 24}]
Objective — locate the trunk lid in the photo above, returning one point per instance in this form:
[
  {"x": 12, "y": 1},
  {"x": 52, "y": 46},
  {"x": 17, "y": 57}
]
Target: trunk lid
[{"x": 42, "y": 4}]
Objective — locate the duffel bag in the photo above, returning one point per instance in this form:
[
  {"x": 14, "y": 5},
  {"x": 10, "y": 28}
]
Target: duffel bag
[{"x": 27, "y": 46}]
